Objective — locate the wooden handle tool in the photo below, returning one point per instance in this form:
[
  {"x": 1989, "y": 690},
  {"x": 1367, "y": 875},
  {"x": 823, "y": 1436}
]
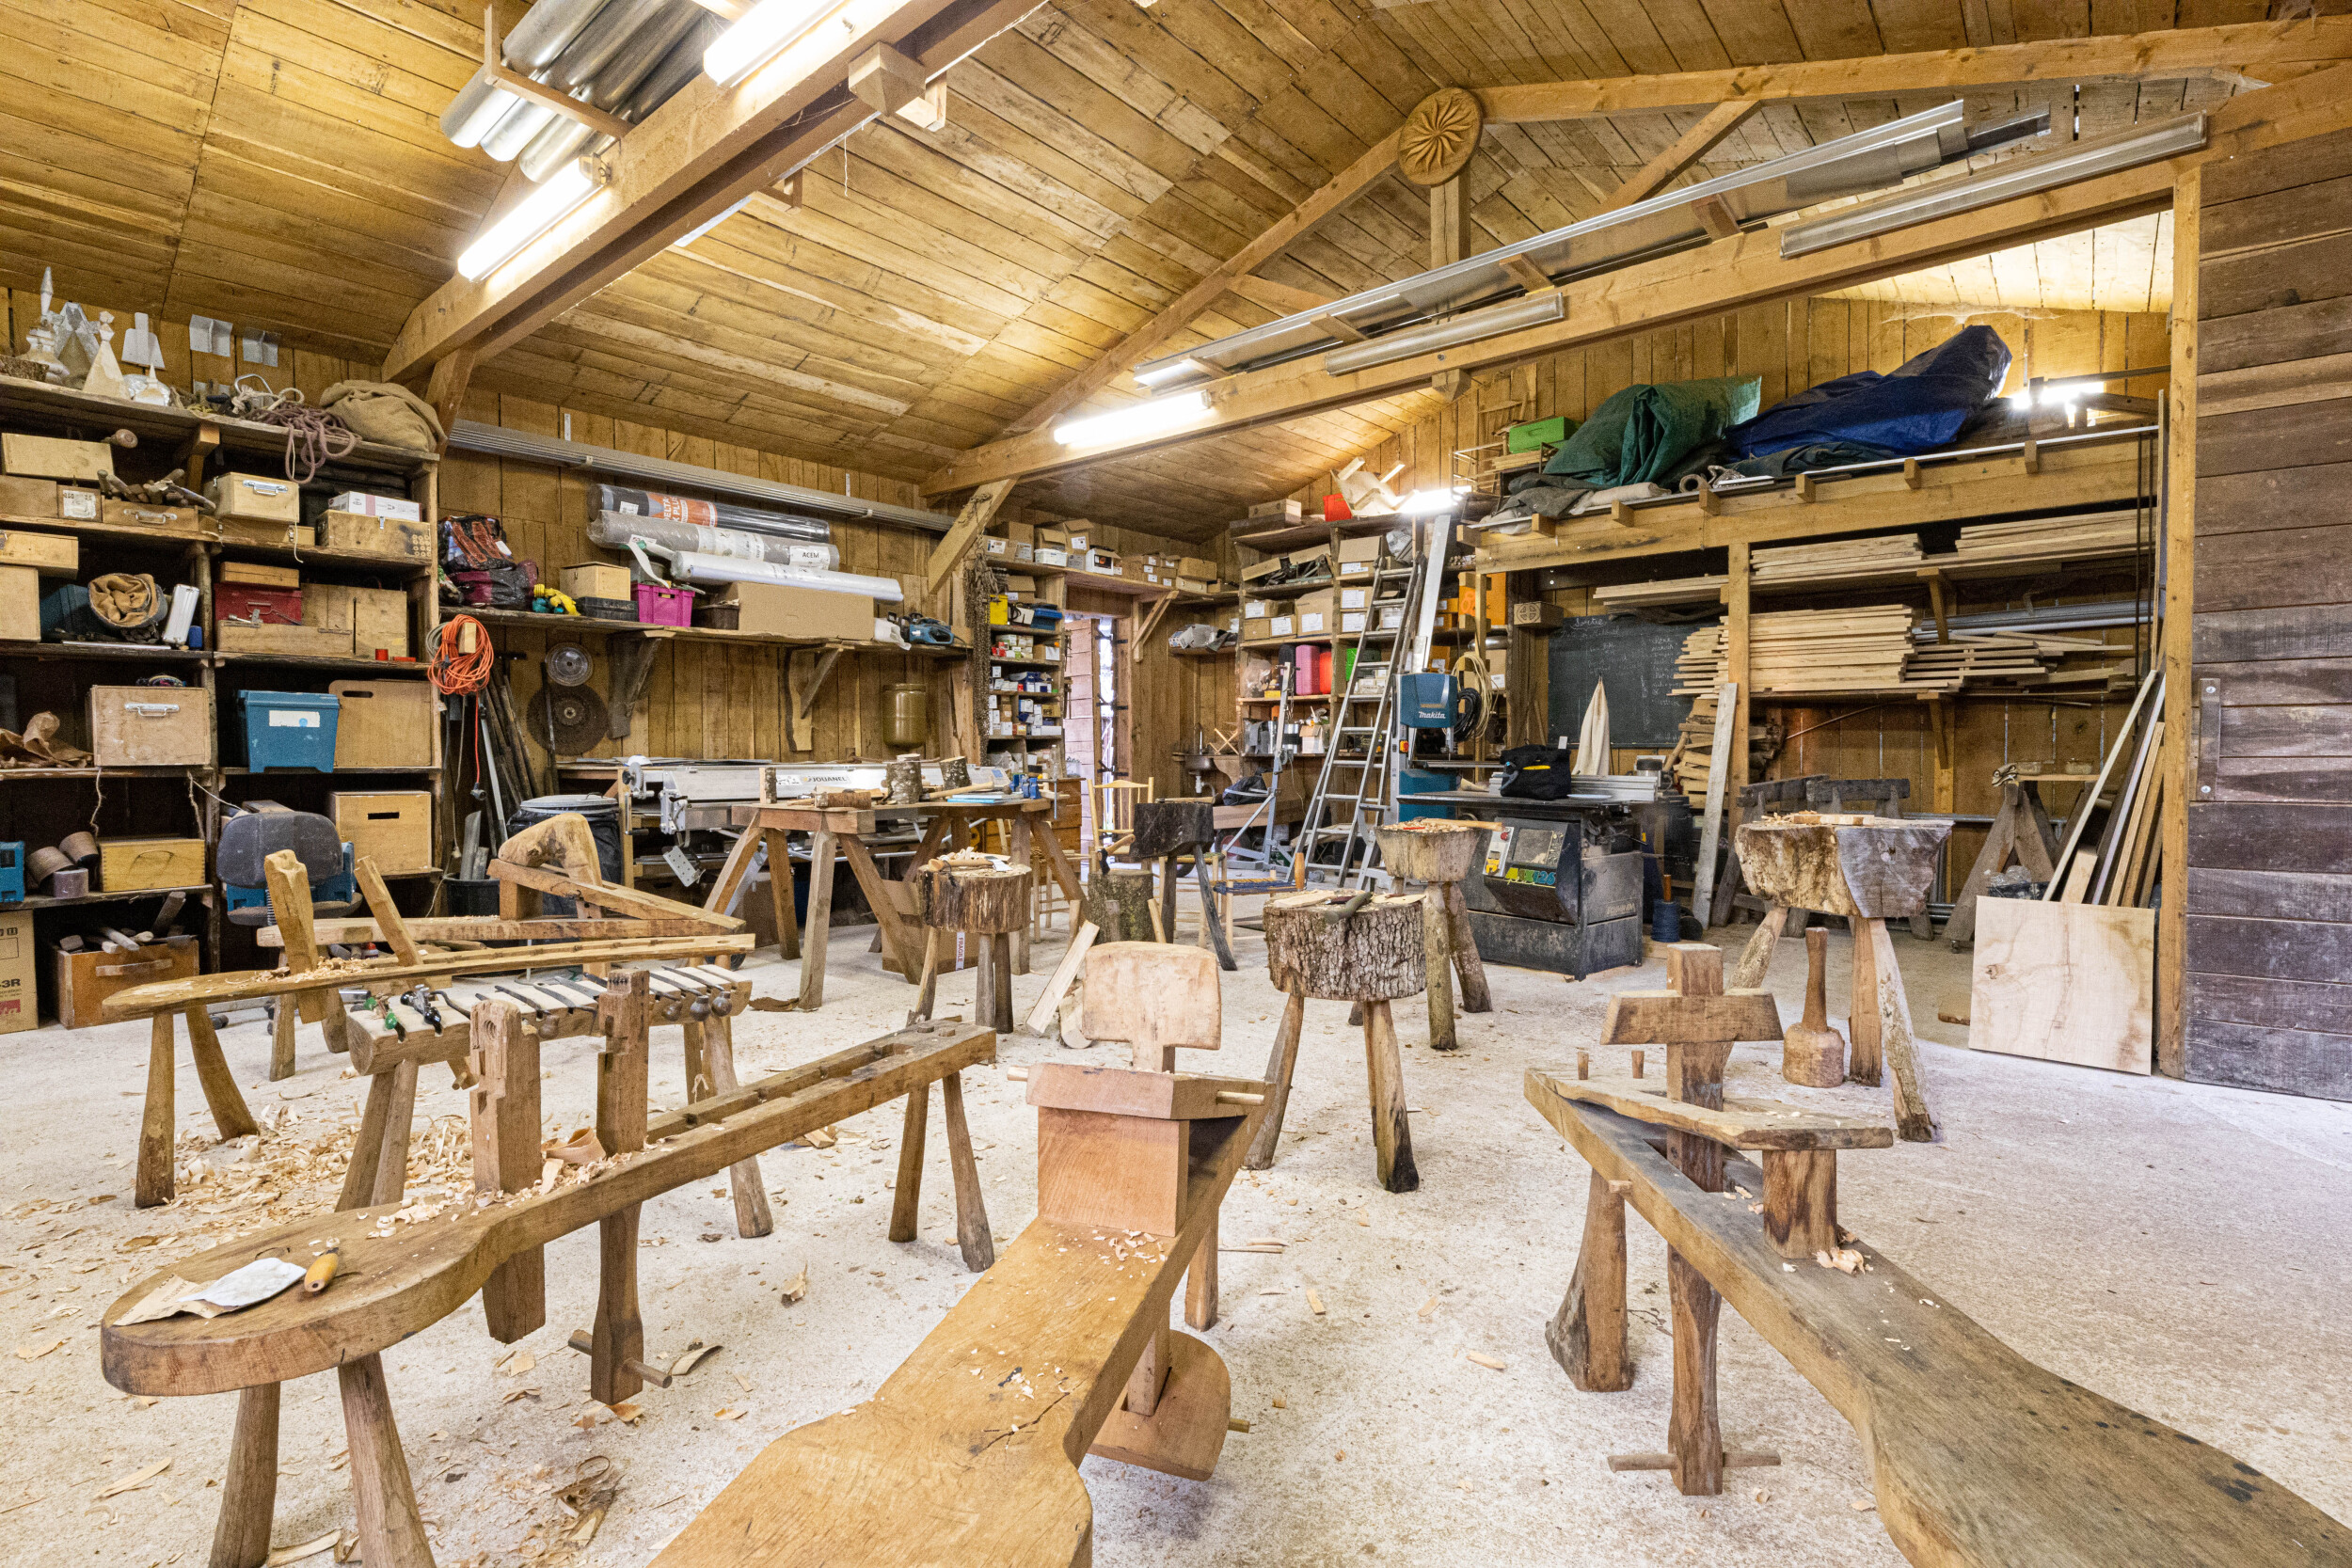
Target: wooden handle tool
[{"x": 322, "y": 1272}]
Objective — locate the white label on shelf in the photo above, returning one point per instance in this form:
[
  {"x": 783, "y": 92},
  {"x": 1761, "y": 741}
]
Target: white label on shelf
[
  {"x": 285, "y": 719},
  {"x": 81, "y": 505}
]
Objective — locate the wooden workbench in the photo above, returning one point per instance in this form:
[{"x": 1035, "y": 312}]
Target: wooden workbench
[{"x": 948, "y": 825}]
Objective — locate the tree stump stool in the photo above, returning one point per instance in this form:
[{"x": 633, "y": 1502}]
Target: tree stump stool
[
  {"x": 986, "y": 901},
  {"x": 1120, "y": 904},
  {"x": 1870, "y": 869},
  {"x": 1341, "y": 946},
  {"x": 1167, "y": 830},
  {"x": 1437, "y": 854}
]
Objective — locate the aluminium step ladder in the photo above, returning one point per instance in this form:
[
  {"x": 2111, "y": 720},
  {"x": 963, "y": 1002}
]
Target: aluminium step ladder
[{"x": 1361, "y": 760}]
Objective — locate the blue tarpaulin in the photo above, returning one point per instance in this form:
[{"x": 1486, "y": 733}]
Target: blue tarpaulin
[{"x": 1917, "y": 407}]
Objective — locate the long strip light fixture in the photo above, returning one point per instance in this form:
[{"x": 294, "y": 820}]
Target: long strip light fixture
[
  {"x": 762, "y": 33},
  {"x": 2005, "y": 181},
  {"x": 1469, "y": 327},
  {"x": 1137, "y": 422},
  {"x": 550, "y": 202}
]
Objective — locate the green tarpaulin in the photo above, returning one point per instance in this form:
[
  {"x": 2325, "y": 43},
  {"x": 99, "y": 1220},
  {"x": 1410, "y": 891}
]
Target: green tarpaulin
[{"x": 1639, "y": 435}]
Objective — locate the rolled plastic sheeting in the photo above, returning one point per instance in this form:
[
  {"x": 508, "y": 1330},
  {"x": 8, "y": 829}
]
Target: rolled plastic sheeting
[
  {"x": 718, "y": 568},
  {"x": 616, "y": 529},
  {"x": 685, "y": 509}
]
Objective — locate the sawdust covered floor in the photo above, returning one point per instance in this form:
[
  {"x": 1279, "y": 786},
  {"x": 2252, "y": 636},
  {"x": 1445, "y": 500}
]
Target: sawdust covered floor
[{"x": 2152, "y": 1239}]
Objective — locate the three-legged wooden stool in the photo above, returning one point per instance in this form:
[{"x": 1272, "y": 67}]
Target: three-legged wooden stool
[
  {"x": 1439, "y": 853},
  {"x": 985, "y": 901},
  {"x": 1166, "y": 830},
  {"x": 1371, "y": 956}
]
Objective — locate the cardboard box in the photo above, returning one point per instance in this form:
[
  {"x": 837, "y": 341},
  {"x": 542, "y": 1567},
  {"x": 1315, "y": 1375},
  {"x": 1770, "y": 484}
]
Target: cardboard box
[
  {"x": 1101, "y": 563},
  {"x": 1283, "y": 625},
  {"x": 257, "y": 498},
  {"x": 1357, "y": 557},
  {"x": 1047, "y": 555},
  {"x": 398, "y": 508},
  {"x": 85, "y": 979},
  {"x": 1193, "y": 567},
  {"x": 1305, "y": 555},
  {"x": 19, "y": 984},
  {"x": 1256, "y": 628},
  {"x": 160, "y": 519},
  {"x": 1021, "y": 533},
  {"x": 993, "y": 545},
  {"x": 1285, "y": 508},
  {"x": 393, "y": 829},
  {"x": 1057, "y": 538},
  {"x": 20, "y": 604},
  {"x": 129, "y": 864},
  {"x": 56, "y": 555},
  {"x": 596, "y": 581},
  {"x": 388, "y": 723},
  {"x": 1355, "y": 598},
  {"x": 1317, "y": 614},
  {"x": 1353, "y": 620},
  {"x": 152, "y": 726},
  {"x": 1195, "y": 585},
  {"x": 1079, "y": 539},
  {"x": 257, "y": 575},
  {"x": 1137, "y": 568},
  {"x": 53, "y": 457},
  {"x": 249, "y": 530},
  {"x": 813, "y": 613},
  {"x": 403, "y": 538},
  {"x": 1256, "y": 607}
]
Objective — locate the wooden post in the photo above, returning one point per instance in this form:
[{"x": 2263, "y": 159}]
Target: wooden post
[
  {"x": 906, "y": 1194},
  {"x": 1800, "y": 1200},
  {"x": 1862, "y": 1012},
  {"x": 1391, "y": 1129},
  {"x": 1200, "y": 1283},
  {"x": 1278, "y": 1067},
  {"x": 1587, "y": 1334},
  {"x": 618, "y": 1337},
  {"x": 1437, "y": 932},
  {"x": 780, "y": 894},
  {"x": 159, "y": 1119},
  {"x": 503, "y": 1110},
  {"x": 2180, "y": 600},
  {"x": 1471, "y": 968},
  {"x": 1735, "y": 622},
  {"x": 400, "y": 1115},
  {"x": 230, "y": 1112},
  {"x": 1914, "y": 1118},
  {"x": 1448, "y": 221},
  {"x": 249, "y": 1494},
  {"x": 822, "y": 848},
  {"x": 391, "y": 1532},
  {"x": 1022, "y": 852},
  {"x": 1694, "y": 1435},
  {"x": 367, "y": 1147},
  {"x": 284, "y": 1018}
]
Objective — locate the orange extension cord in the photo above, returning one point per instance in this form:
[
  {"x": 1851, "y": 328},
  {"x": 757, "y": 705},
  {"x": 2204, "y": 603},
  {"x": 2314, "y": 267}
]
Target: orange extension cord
[{"x": 453, "y": 672}]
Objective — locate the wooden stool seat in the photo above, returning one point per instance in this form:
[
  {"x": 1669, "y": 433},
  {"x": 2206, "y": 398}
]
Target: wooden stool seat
[
  {"x": 1978, "y": 1457},
  {"x": 1437, "y": 854},
  {"x": 980, "y": 899}
]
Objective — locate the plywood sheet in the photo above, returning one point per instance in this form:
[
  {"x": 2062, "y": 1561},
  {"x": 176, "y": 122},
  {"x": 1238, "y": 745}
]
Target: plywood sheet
[{"x": 2064, "y": 982}]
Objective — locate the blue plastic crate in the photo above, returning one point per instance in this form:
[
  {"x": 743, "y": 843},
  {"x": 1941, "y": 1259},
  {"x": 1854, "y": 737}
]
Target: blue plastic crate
[{"x": 289, "y": 729}]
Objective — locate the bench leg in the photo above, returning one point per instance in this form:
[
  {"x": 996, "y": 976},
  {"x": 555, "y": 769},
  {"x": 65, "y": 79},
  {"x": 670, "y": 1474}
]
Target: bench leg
[
  {"x": 1150, "y": 1373},
  {"x": 503, "y": 1107},
  {"x": 154, "y": 1181},
  {"x": 1200, "y": 1282},
  {"x": 1471, "y": 969},
  {"x": 978, "y": 1246},
  {"x": 367, "y": 1145},
  {"x": 1278, "y": 1068},
  {"x": 906, "y": 1194},
  {"x": 1862, "y": 1012},
  {"x": 391, "y": 1532},
  {"x": 992, "y": 986},
  {"x": 392, "y": 1164},
  {"x": 1694, "y": 1435},
  {"x": 822, "y": 848},
  {"x": 1392, "y": 1131},
  {"x": 249, "y": 1494},
  {"x": 619, "y": 1336},
  {"x": 1758, "y": 955},
  {"x": 780, "y": 894},
  {"x": 927, "y": 992},
  {"x": 1437, "y": 948},
  {"x": 284, "y": 1019},
  {"x": 1021, "y": 850},
  {"x": 1587, "y": 1334},
  {"x": 1213, "y": 917},
  {"x": 1914, "y": 1118},
  {"x": 697, "y": 1069},
  {"x": 334, "y": 1023},
  {"x": 230, "y": 1112},
  {"x": 714, "y": 1042},
  {"x": 1800, "y": 1200}
]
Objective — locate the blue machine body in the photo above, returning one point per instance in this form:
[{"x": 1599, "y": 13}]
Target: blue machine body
[
  {"x": 340, "y": 889},
  {"x": 1426, "y": 701},
  {"x": 12, "y": 872}
]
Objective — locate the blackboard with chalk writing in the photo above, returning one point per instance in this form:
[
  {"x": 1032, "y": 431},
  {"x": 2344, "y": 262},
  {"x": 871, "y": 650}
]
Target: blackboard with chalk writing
[{"x": 1637, "y": 658}]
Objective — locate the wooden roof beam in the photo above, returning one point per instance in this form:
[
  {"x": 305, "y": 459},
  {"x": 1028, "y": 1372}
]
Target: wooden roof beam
[
  {"x": 694, "y": 158},
  {"x": 1727, "y": 276},
  {"x": 1688, "y": 148}
]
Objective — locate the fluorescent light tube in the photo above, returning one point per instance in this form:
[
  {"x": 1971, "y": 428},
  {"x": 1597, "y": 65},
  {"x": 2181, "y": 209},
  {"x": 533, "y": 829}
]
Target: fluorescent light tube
[
  {"x": 1152, "y": 375},
  {"x": 1127, "y": 424},
  {"x": 1420, "y": 503},
  {"x": 764, "y": 32},
  {"x": 1469, "y": 328},
  {"x": 2003, "y": 181},
  {"x": 550, "y": 202}
]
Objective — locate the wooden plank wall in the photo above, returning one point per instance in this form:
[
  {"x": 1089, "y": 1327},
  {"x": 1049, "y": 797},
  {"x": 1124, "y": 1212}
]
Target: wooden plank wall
[{"x": 2269, "y": 896}]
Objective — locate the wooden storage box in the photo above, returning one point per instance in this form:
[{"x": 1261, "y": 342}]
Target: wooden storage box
[
  {"x": 596, "y": 581},
  {"x": 150, "y": 727},
  {"x": 18, "y": 976},
  {"x": 306, "y": 641},
  {"x": 129, "y": 864},
  {"x": 160, "y": 519},
  {"x": 250, "y": 531},
  {"x": 53, "y": 457},
  {"x": 366, "y": 618},
  {"x": 394, "y": 536},
  {"x": 85, "y": 979},
  {"x": 53, "y": 555},
  {"x": 385, "y": 724},
  {"x": 20, "y": 604},
  {"x": 394, "y": 827},
  {"x": 257, "y": 498}
]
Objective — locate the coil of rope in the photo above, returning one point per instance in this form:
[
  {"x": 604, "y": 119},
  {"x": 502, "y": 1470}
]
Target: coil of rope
[
  {"x": 314, "y": 437},
  {"x": 454, "y": 672}
]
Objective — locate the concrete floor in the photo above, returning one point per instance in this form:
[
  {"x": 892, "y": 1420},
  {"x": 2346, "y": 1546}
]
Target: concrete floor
[{"x": 2178, "y": 1248}]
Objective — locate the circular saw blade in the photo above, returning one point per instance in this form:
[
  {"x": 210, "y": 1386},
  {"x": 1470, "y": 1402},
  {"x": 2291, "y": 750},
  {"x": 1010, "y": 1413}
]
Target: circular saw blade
[
  {"x": 569, "y": 664},
  {"x": 570, "y": 720}
]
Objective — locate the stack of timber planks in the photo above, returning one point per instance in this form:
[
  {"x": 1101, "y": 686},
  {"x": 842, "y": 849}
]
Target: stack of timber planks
[
  {"x": 1824, "y": 651},
  {"x": 1690, "y": 761},
  {"x": 1890, "y": 558},
  {"x": 1989, "y": 548}
]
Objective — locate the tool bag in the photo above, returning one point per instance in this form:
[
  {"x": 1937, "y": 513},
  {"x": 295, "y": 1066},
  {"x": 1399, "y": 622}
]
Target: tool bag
[
  {"x": 480, "y": 567},
  {"x": 385, "y": 413},
  {"x": 1537, "y": 773}
]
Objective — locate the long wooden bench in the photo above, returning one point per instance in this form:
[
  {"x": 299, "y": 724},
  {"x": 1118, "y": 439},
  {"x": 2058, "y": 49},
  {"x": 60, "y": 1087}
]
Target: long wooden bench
[
  {"x": 969, "y": 1452},
  {"x": 397, "y": 1277},
  {"x": 1978, "y": 1457}
]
